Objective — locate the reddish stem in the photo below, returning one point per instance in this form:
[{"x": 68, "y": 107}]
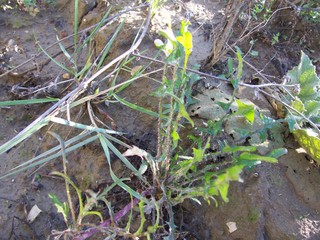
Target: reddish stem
[{"x": 91, "y": 231}]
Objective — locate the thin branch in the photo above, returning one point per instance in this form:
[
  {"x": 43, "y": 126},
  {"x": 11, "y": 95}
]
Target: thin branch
[
  {"x": 219, "y": 78},
  {"x": 258, "y": 27}
]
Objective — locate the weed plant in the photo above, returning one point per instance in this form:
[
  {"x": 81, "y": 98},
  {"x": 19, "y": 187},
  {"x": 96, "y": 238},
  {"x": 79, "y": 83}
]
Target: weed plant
[{"x": 177, "y": 173}]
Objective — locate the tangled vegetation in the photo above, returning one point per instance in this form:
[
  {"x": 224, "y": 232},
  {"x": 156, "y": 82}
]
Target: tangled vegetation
[{"x": 201, "y": 170}]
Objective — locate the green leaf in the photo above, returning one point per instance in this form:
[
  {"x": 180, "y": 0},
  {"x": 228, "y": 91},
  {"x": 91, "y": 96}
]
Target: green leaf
[
  {"x": 246, "y": 110},
  {"x": 175, "y": 136},
  {"x": 298, "y": 105},
  {"x": 223, "y": 189},
  {"x": 240, "y": 64},
  {"x": 186, "y": 39},
  {"x": 28, "y": 101},
  {"x": 305, "y": 75},
  {"x": 276, "y": 153},
  {"x": 230, "y": 67},
  {"x": 312, "y": 109},
  {"x": 94, "y": 213},
  {"x": 55, "y": 61},
  {"x": 255, "y": 157},
  {"x": 136, "y": 107},
  {"x": 222, "y": 182},
  {"x": 62, "y": 208},
  {"x": 234, "y": 149},
  {"x": 197, "y": 154},
  {"x": 172, "y": 44},
  {"x": 183, "y": 112},
  {"x": 309, "y": 140}
]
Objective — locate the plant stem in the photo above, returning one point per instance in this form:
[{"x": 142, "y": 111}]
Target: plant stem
[{"x": 91, "y": 231}]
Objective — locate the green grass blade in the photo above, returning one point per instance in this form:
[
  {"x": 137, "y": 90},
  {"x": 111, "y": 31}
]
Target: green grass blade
[
  {"x": 28, "y": 101},
  {"x": 66, "y": 177},
  {"x": 84, "y": 69},
  {"x": 65, "y": 52},
  {"x": 94, "y": 213},
  {"x": 123, "y": 159},
  {"x": 95, "y": 29},
  {"x": 17, "y": 139},
  {"x": 56, "y": 62},
  {"x": 51, "y": 152},
  {"x": 30, "y": 163},
  {"x": 105, "y": 145},
  {"x": 109, "y": 44},
  {"x": 136, "y": 107}
]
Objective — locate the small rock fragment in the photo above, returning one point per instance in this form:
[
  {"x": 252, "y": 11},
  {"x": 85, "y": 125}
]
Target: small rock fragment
[{"x": 232, "y": 226}]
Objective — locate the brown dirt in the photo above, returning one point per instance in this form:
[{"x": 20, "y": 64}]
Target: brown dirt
[{"x": 279, "y": 201}]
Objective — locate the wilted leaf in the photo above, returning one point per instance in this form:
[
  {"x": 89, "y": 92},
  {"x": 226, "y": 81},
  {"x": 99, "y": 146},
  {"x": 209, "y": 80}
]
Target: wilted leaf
[
  {"x": 232, "y": 226},
  {"x": 135, "y": 151},
  {"x": 33, "y": 214}
]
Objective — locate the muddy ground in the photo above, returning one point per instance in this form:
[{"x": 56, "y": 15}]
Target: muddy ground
[{"x": 278, "y": 201}]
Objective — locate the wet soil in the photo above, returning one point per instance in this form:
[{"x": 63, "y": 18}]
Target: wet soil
[{"x": 278, "y": 201}]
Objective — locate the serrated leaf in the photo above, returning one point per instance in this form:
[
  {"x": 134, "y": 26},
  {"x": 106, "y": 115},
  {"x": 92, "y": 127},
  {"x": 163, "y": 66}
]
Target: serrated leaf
[
  {"x": 312, "y": 109},
  {"x": 298, "y": 105},
  {"x": 309, "y": 140},
  {"x": 305, "y": 75}
]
